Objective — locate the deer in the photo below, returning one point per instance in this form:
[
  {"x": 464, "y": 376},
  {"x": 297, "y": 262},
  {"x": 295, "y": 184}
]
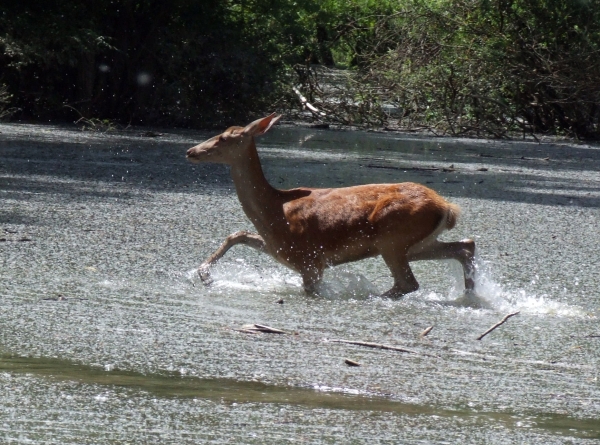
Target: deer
[{"x": 311, "y": 229}]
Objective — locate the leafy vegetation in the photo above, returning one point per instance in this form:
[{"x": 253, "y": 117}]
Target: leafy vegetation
[
  {"x": 492, "y": 67},
  {"x": 487, "y": 67}
]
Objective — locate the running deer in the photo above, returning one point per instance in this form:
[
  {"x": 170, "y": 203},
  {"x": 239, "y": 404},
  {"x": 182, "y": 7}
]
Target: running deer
[{"x": 309, "y": 229}]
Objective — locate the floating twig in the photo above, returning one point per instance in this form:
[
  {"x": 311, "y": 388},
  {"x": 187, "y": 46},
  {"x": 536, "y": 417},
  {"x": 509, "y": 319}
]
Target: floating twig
[
  {"x": 351, "y": 362},
  {"x": 269, "y": 329},
  {"x": 501, "y": 322},
  {"x": 63, "y": 298},
  {"x": 59, "y": 298},
  {"x": 426, "y": 331},
  {"x": 393, "y": 167},
  {"x": 374, "y": 345},
  {"x": 151, "y": 134},
  {"x": 247, "y": 331},
  {"x": 256, "y": 328}
]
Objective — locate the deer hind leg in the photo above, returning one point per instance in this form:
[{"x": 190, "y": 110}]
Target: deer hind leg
[
  {"x": 249, "y": 239},
  {"x": 462, "y": 251},
  {"x": 311, "y": 277},
  {"x": 404, "y": 280}
]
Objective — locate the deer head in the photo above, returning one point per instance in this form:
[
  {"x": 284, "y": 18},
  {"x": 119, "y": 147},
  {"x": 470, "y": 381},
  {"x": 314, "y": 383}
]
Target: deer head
[{"x": 232, "y": 144}]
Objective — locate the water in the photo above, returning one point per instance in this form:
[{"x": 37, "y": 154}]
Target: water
[{"x": 108, "y": 336}]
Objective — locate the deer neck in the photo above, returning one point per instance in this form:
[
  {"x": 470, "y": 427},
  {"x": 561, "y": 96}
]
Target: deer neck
[{"x": 259, "y": 199}]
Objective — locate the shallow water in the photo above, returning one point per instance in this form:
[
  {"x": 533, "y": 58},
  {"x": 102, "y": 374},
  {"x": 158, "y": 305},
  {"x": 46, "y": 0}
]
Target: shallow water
[{"x": 108, "y": 336}]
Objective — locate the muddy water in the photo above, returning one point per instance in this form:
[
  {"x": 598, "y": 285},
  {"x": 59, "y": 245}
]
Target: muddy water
[{"x": 107, "y": 335}]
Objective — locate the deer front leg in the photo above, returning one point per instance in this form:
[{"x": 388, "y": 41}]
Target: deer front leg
[
  {"x": 462, "y": 251},
  {"x": 249, "y": 239},
  {"x": 311, "y": 277}
]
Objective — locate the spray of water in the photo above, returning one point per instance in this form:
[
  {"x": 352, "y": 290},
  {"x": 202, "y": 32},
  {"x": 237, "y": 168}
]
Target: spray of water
[
  {"x": 491, "y": 294},
  {"x": 344, "y": 284}
]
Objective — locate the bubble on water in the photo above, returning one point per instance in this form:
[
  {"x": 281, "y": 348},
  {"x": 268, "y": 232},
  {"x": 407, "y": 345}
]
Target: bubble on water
[
  {"x": 107, "y": 284},
  {"x": 338, "y": 389},
  {"x": 101, "y": 398}
]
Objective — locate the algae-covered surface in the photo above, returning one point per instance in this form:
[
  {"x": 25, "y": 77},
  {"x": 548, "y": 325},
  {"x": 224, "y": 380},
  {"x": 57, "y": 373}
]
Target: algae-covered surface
[{"x": 108, "y": 336}]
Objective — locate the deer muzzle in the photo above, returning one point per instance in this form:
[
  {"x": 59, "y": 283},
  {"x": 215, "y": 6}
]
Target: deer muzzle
[{"x": 195, "y": 154}]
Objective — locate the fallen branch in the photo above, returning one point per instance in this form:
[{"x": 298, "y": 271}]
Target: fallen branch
[
  {"x": 351, "y": 362},
  {"x": 501, "y": 322},
  {"x": 305, "y": 103},
  {"x": 374, "y": 345}
]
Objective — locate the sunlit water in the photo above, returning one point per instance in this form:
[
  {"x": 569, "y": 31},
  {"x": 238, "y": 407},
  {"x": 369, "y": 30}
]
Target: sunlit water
[{"x": 109, "y": 336}]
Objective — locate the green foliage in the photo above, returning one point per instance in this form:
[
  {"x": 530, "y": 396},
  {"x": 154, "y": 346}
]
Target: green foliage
[
  {"x": 5, "y": 98},
  {"x": 494, "y": 66},
  {"x": 181, "y": 62},
  {"x": 462, "y": 67}
]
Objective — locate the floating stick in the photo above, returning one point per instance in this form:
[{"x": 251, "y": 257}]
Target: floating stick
[
  {"x": 268, "y": 329},
  {"x": 426, "y": 331},
  {"x": 374, "y": 345},
  {"x": 501, "y": 322},
  {"x": 255, "y": 328}
]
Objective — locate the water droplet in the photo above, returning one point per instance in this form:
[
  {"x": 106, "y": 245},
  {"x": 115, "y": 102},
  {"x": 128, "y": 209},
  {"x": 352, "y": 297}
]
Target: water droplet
[{"x": 144, "y": 79}]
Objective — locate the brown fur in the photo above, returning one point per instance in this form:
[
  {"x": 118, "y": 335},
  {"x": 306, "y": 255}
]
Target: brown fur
[{"x": 309, "y": 229}]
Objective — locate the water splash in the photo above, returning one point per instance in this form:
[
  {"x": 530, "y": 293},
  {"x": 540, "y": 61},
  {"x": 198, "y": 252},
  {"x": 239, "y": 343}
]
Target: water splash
[
  {"x": 239, "y": 275},
  {"x": 338, "y": 284},
  {"x": 342, "y": 283},
  {"x": 490, "y": 294}
]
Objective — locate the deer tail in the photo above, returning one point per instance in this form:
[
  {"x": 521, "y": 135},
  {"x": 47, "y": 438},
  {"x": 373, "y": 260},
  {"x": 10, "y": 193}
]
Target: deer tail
[{"x": 452, "y": 214}]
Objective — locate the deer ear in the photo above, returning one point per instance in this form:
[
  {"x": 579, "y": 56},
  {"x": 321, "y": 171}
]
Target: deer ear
[{"x": 261, "y": 126}]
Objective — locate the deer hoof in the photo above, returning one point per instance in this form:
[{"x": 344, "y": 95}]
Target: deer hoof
[
  {"x": 397, "y": 292},
  {"x": 204, "y": 274}
]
